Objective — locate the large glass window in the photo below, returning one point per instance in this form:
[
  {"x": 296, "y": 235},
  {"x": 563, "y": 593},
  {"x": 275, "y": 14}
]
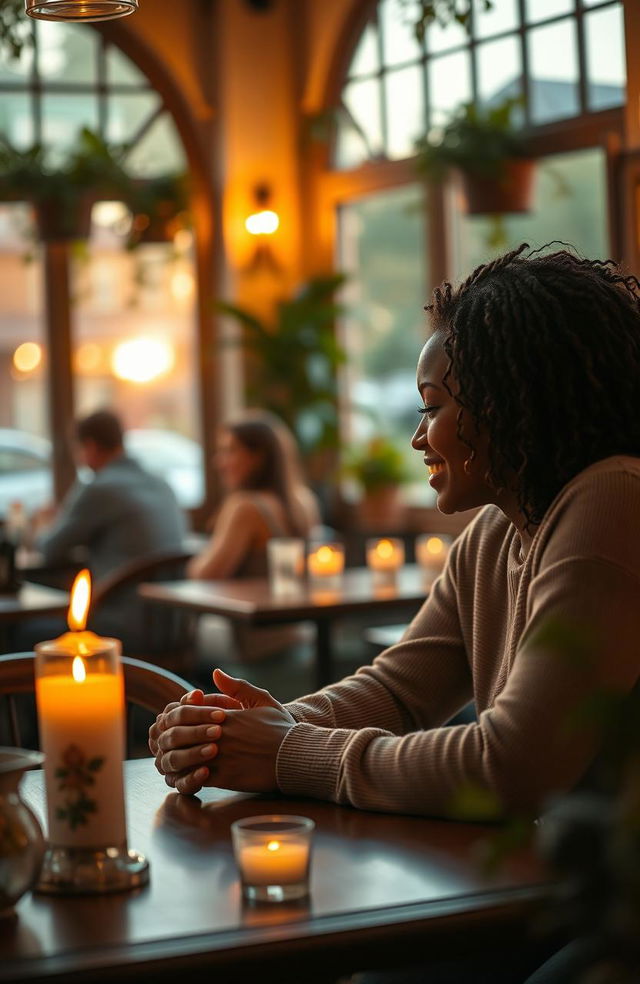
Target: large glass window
[
  {"x": 419, "y": 85},
  {"x": 569, "y": 203},
  {"x": 567, "y": 58},
  {"x": 382, "y": 249},
  {"x": 132, "y": 310}
]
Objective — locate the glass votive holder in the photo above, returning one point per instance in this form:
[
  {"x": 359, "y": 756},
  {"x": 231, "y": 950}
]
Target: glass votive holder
[
  {"x": 325, "y": 566},
  {"x": 431, "y": 551},
  {"x": 273, "y": 854},
  {"x": 385, "y": 557},
  {"x": 285, "y": 559}
]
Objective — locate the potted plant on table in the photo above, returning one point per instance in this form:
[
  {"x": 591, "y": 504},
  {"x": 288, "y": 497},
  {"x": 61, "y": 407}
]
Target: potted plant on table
[
  {"x": 487, "y": 148},
  {"x": 379, "y": 469}
]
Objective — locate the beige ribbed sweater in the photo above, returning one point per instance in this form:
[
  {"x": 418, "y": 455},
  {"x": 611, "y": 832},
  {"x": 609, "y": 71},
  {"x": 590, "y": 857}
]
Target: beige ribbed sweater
[{"x": 528, "y": 639}]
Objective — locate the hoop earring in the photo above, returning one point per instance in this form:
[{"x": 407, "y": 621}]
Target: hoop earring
[{"x": 467, "y": 464}]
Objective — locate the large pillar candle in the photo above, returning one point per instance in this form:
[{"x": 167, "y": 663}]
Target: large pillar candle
[
  {"x": 80, "y": 700},
  {"x": 81, "y": 716}
]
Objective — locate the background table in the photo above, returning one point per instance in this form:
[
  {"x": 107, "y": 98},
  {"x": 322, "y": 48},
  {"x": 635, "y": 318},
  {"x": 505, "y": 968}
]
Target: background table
[
  {"x": 384, "y": 889},
  {"x": 250, "y": 601},
  {"x": 29, "y": 600}
]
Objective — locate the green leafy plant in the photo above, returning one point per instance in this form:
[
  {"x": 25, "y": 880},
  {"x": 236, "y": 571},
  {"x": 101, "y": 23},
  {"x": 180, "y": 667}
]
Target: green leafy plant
[
  {"x": 476, "y": 140},
  {"x": 63, "y": 193},
  {"x": 375, "y": 465},
  {"x": 159, "y": 206},
  {"x": 294, "y": 357}
]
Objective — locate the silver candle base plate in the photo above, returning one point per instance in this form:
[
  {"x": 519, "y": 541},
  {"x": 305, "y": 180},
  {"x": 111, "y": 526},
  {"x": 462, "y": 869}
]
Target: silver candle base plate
[{"x": 91, "y": 871}]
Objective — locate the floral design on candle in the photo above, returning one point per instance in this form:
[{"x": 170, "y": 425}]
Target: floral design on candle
[{"x": 76, "y": 775}]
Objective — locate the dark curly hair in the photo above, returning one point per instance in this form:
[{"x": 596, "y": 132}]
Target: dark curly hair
[{"x": 545, "y": 353}]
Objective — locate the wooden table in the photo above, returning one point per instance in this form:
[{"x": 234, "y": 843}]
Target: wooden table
[
  {"x": 250, "y": 601},
  {"x": 29, "y": 600},
  {"x": 384, "y": 890}
]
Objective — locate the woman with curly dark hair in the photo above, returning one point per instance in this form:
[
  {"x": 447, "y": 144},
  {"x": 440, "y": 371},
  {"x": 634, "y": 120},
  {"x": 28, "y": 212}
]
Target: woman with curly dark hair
[{"x": 530, "y": 384}]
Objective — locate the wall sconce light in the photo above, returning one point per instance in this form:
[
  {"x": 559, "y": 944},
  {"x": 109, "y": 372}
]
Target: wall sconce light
[
  {"x": 79, "y": 10},
  {"x": 262, "y": 223},
  {"x": 265, "y": 221}
]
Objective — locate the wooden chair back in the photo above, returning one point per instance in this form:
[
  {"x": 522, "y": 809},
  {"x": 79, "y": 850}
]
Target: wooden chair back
[
  {"x": 164, "y": 636},
  {"x": 147, "y": 686},
  {"x": 163, "y": 565}
]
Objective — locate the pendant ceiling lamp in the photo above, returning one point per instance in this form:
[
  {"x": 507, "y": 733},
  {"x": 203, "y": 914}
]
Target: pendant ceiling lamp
[{"x": 79, "y": 10}]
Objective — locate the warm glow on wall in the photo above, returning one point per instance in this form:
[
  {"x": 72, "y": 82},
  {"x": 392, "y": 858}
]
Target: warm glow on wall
[
  {"x": 27, "y": 357},
  {"x": 141, "y": 360}
]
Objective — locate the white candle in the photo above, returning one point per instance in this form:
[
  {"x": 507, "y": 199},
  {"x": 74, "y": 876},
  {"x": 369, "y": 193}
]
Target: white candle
[
  {"x": 274, "y": 863},
  {"x": 80, "y": 700}
]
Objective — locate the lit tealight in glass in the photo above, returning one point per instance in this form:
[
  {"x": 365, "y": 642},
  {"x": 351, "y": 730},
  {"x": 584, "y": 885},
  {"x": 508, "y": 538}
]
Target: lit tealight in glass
[
  {"x": 431, "y": 551},
  {"x": 325, "y": 566},
  {"x": 385, "y": 557},
  {"x": 273, "y": 854}
]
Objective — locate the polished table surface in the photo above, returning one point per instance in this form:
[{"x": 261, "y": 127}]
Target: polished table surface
[
  {"x": 251, "y": 601},
  {"x": 383, "y": 887}
]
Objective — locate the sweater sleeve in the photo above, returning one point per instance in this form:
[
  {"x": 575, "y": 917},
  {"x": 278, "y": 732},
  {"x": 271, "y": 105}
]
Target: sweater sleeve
[{"x": 579, "y": 639}]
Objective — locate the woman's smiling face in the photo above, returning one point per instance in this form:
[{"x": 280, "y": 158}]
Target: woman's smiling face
[{"x": 457, "y": 478}]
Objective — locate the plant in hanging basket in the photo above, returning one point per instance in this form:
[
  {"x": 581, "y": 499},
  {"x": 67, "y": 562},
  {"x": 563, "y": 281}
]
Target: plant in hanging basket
[
  {"x": 160, "y": 208},
  {"x": 62, "y": 195},
  {"x": 487, "y": 148}
]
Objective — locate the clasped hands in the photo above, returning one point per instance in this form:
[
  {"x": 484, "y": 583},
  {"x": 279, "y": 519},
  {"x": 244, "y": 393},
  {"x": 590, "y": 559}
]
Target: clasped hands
[{"x": 229, "y": 739}]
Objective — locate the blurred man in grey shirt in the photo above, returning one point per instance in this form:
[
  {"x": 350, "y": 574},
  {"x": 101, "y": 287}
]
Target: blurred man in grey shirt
[{"x": 123, "y": 513}]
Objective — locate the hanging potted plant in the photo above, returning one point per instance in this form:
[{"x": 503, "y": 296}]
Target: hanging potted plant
[
  {"x": 159, "y": 207},
  {"x": 486, "y": 147},
  {"x": 379, "y": 470},
  {"x": 62, "y": 196}
]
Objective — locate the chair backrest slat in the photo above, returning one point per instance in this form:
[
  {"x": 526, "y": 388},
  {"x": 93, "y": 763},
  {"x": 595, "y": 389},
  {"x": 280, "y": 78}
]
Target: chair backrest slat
[{"x": 146, "y": 685}]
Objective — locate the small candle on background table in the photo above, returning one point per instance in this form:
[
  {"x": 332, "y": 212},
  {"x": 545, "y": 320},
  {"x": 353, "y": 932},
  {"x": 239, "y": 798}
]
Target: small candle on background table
[
  {"x": 385, "y": 557},
  {"x": 432, "y": 550},
  {"x": 273, "y": 854},
  {"x": 81, "y": 717},
  {"x": 325, "y": 565}
]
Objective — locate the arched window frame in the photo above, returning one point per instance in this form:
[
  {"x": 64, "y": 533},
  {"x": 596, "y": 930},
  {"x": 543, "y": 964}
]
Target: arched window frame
[{"x": 205, "y": 214}]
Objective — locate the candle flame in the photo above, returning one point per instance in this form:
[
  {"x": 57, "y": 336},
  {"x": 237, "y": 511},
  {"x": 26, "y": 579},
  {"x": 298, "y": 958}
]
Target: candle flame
[
  {"x": 273, "y": 846},
  {"x": 78, "y": 669},
  {"x": 80, "y": 600},
  {"x": 384, "y": 548},
  {"x": 434, "y": 545},
  {"x": 324, "y": 554}
]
